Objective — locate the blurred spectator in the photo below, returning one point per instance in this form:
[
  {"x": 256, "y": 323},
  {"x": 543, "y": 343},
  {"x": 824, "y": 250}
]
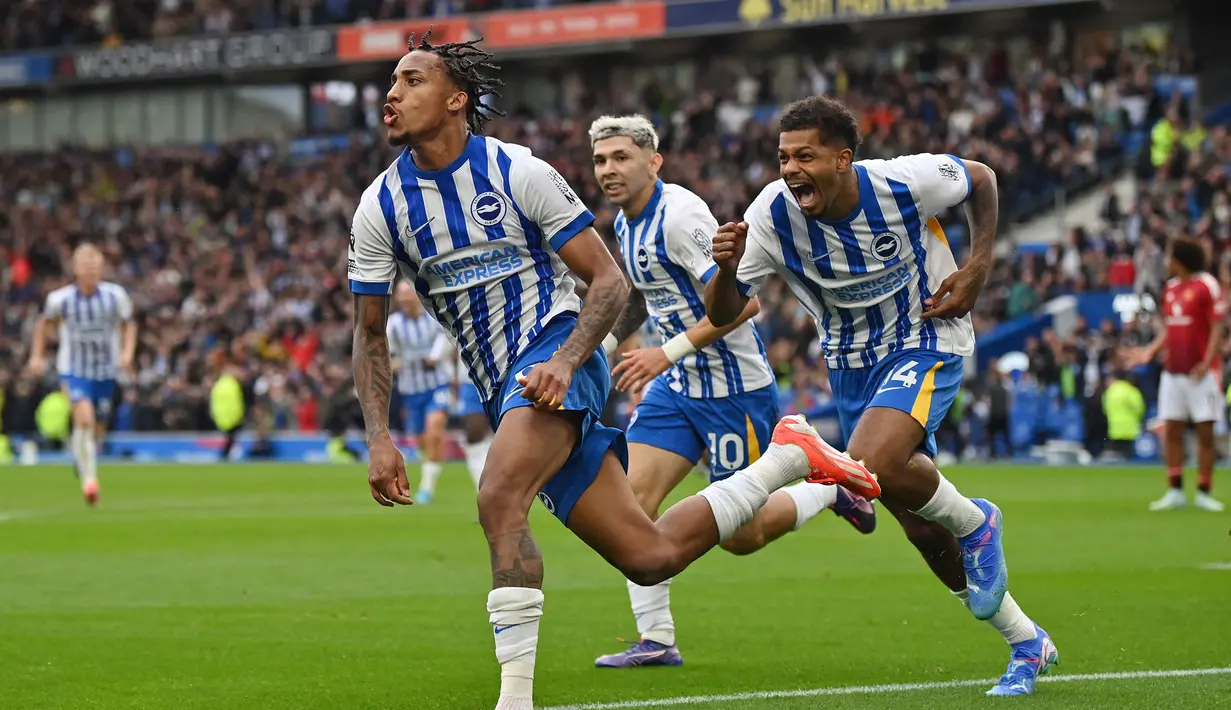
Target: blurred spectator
[
  {"x": 1163, "y": 139},
  {"x": 338, "y": 410},
  {"x": 998, "y": 403},
  {"x": 1125, "y": 409},
  {"x": 1150, "y": 266},
  {"x": 226, "y": 405},
  {"x": 21, "y": 397}
]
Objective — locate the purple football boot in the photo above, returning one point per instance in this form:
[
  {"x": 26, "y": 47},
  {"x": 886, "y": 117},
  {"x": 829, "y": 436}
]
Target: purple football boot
[
  {"x": 642, "y": 653},
  {"x": 856, "y": 510}
]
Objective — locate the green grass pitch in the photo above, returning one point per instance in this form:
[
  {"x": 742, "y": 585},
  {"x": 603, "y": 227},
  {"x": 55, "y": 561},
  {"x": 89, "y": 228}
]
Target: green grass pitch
[{"x": 278, "y": 587}]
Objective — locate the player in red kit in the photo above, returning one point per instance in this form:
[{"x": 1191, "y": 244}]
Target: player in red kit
[{"x": 1190, "y": 390}]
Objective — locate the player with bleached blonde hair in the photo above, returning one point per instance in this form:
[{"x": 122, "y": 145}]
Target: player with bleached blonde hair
[{"x": 97, "y": 339}]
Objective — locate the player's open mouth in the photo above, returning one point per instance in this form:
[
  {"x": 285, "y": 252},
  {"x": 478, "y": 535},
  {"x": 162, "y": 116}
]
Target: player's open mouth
[
  {"x": 613, "y": 187},
  {"x": 391, "y": 117},
  {"x": 805, "y": 193}
]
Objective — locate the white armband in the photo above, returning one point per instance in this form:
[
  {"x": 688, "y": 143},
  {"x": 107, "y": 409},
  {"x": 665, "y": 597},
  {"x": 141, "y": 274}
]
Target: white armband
[
  {"x": 678, "y": 348},
  {"x": 610, "y": 343}
]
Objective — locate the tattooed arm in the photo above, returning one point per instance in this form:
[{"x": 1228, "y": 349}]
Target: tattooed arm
[
  {"x": 547, "y": 383},
  {"x": 631, "y": 318},
  {"x": 372, "y": 364},
  {"x": 606, "y": 297},
  {"x": 374, "y": 386},
  {"x": 372, "y": 271}
]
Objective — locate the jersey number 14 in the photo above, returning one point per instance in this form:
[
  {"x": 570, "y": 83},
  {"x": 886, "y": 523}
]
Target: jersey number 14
[{"x": 904, "y": 377}]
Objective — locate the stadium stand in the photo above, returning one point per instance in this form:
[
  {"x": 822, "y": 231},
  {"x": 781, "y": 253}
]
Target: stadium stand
[
  {"x": 233, "y": 251},
  {"x": 38, "y": 24},
  {"x": 216, "y": 151}
]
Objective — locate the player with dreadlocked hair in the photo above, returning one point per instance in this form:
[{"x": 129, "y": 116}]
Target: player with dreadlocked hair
[
  {"x": 471, "y": 70},
  {"x": 493, "y": 238}
]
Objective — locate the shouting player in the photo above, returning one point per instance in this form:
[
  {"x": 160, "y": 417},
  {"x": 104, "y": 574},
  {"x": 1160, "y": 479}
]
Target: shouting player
[
  {"x": 1190, "y": 389},
  {"x": 709, "y": 389},
  {"x": 98, "y": 338},
  {"x": 489, "y": 236},
  {"x": 421, "y": 384},
  {"x": 859, "y": 245}
]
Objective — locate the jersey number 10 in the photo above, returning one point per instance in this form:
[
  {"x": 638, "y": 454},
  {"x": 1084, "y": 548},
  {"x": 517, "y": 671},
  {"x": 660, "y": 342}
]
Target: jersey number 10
[{"x": 727, "y": 451}]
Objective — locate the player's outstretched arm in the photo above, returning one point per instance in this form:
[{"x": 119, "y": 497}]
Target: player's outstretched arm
[
  {"x": 128, "y": 345},
  {"x": 724, "y": 302},
  {"x": 642, "y": 365},
  {"x": 1145, "y": 354},
  {"x": 38, "y": 347},
  {"x": 374, "y": 386},
  {"x": 957, "y": 294},
  {"x": 705, "y": 333},
  {"x": 128, "y": 331}
]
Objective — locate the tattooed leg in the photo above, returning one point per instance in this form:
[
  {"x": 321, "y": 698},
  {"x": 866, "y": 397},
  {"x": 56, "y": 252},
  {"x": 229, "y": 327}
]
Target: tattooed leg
[
  {"x": 529, "y": 448},
  {"x": 516, "y": 560}
]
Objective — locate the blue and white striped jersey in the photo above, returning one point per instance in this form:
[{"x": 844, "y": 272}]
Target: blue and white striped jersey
[
  {"x": 411, "y": 341},
  {"x": 865, "y": 278},
  {"x": 479, "y": 240},
  {"x": 90, "y": 328},
  {"x": 446, "y": 354},
  {"x": 668, "y": 254},
  {"x": 649, "y": 333}
]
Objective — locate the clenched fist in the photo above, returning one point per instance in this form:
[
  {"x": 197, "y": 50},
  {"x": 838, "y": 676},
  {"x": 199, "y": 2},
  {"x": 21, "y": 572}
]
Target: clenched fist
[
  {"x": 547, "y": 384},
  {"x": 387, "y": 473},
  {"x": 729, "y": 245}
]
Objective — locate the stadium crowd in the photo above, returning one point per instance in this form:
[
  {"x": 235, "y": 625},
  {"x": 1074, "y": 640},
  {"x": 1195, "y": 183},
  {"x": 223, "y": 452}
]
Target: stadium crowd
[
  {"x": 233, "y": 253},
  {"x": 39, "y": 24}
]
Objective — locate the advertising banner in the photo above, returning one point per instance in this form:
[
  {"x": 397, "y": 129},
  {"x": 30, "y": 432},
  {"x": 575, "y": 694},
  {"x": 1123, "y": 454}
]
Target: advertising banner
[
  {"x": 715, "y": 14},
  {"x": 581, "y": 24},
  {"x": 387, "y": 40},
  {"x": 206, "y": 447},
  {"x": 24, "y": 69},
  {"x": 190, "y": 56}
]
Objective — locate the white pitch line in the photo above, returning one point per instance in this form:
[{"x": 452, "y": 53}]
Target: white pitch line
[
  {"x": 1217, "y": 565},
  {"x": 6, "y": 516},
  {"x": 879, "y": 689}
]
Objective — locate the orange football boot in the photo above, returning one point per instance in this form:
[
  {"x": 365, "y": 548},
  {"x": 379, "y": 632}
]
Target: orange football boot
[{"x": 828, "y": 465}]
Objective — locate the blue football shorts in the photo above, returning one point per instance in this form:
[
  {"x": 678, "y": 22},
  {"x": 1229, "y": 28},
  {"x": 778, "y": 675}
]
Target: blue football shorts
[
  {"x": 587, "y": 393},
  {"x": 922, "y": 383}
]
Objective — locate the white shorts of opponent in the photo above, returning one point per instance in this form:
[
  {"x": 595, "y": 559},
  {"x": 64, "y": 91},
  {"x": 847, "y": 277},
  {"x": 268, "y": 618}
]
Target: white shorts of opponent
[{"x": 1183, "y": 399}]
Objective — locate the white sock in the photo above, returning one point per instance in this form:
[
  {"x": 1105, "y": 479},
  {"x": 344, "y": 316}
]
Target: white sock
[
  {"x": 652, "y": 609},
  {"x": 1010, "y": 621},
  {"x": 476, "y": 456},
  {"x": 430, "y": 472},
  {"x": 85, "y": 453},
  {"x": 76, "y": 448},
  {"x": 510, "y": 703},
  {"x": 514, "y": 614},
  {"x": 736, "y": 499},
  {"x": 952, "y": 509},
  {"x": 810, "y": 499}
]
